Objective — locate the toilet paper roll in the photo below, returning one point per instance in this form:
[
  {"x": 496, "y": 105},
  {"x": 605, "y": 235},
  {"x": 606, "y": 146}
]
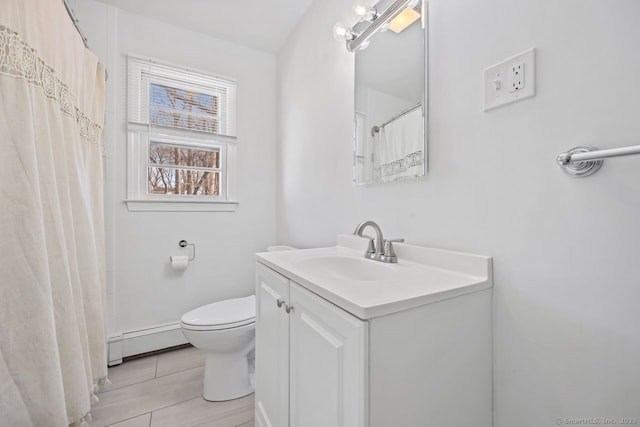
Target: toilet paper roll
[{"x": 179, "y": 262}]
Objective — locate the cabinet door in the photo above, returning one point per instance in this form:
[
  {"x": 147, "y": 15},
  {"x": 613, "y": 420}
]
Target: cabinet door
[
  {"x": 328, "y": 362},
  {"x": 272, "y": 349}
]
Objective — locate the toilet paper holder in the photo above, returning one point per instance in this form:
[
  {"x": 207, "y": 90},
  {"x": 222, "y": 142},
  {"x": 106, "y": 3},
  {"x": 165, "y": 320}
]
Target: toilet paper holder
[{"x": 184, "y": 244}]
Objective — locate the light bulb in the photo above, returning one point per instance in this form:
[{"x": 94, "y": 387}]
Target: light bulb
[
  {"x": 342, "y": 32},
  {"x": 364, "y": 11},
  {"x": 360, "y": 8}
]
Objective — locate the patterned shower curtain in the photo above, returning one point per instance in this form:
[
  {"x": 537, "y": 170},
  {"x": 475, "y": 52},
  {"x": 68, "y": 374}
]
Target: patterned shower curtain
[{"x": 52, "y": 272}]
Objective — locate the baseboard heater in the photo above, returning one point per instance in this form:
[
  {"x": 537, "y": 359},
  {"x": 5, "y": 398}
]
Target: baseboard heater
[{"x": 145, "y": 340}]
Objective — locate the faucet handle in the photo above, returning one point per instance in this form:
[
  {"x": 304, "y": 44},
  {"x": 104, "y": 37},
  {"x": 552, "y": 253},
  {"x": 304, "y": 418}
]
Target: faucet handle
[
  {"x": 371, "y": 248},
  {"x": 389, "y": 253}
]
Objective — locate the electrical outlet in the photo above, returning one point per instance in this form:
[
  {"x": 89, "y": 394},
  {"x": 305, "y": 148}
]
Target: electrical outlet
[
  {"x": 510, "y": 80},
  {"x": 517, "y": 76}
]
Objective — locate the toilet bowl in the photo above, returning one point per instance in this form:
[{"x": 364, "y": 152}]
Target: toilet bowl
[{"x": 225, "y": 332}]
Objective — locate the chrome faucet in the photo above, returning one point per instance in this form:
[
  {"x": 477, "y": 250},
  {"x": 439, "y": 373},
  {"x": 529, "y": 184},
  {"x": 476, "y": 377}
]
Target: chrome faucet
[{"x": 382, "y": 250}]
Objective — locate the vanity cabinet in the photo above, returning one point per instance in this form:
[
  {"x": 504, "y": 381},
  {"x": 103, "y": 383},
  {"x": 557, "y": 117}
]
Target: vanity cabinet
[
  {"x": 310, "y": 358},
  {"x": 318, "y": 364},
  {"x": 272, "y": 345}
]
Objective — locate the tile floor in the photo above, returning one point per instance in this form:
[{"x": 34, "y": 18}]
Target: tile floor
[{"x": 165, "y": 390}]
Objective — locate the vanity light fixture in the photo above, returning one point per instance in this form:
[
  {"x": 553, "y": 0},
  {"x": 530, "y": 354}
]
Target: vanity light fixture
[{"x": 379, "y": 21}]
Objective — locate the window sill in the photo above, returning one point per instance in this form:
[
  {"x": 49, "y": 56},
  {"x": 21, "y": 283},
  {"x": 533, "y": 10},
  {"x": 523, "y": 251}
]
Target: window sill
[{"x": 144, "y": 205}]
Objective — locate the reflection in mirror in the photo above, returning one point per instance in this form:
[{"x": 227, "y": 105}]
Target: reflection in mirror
[{"x": 390, "y": 141}]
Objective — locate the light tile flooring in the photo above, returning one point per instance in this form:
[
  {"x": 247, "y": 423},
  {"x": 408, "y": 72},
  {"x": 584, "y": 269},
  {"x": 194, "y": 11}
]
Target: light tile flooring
[{"x": 166, "y": 391}]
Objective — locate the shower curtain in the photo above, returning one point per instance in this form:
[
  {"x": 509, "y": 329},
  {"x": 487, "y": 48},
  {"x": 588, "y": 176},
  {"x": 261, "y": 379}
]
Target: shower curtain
[
  {"x": 52, "y": 272},
  {"x": 399, "y": 148}
]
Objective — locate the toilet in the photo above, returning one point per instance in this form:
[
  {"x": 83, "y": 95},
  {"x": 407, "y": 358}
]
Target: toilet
[{"x": 225, "y": 332}]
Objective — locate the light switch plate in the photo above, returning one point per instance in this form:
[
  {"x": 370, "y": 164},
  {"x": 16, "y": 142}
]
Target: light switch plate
[{"x": 511, "y": 80}]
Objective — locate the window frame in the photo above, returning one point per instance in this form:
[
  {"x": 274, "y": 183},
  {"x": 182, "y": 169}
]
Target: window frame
[{"x": 140, "y": 136}]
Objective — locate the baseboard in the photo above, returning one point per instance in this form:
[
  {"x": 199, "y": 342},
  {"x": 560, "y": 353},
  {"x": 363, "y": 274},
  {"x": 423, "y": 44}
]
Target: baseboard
[{"x": 145, "y": 340}]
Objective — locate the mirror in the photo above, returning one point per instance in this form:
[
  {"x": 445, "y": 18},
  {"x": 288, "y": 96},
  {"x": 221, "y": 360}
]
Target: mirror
[{"x": 390, "y": 85}]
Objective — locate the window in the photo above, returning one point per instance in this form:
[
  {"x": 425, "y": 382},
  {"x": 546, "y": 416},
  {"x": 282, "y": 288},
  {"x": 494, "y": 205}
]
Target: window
[
  {"x": 175, "y": 169},
  {"x": 185, "y": 109},
  {"x": 182, "y": 138}
]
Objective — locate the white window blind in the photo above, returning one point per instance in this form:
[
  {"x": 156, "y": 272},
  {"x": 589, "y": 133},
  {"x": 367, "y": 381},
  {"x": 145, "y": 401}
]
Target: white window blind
[{"x": 168, "y": 96}]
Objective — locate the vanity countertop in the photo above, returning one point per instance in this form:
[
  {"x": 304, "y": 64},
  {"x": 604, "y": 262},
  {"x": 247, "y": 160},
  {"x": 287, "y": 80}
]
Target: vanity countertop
[{"x": 368, "y": 288}]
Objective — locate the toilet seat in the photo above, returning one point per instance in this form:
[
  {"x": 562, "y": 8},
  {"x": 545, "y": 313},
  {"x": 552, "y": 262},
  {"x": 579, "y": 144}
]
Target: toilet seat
[{"x": 228, "y": 314}]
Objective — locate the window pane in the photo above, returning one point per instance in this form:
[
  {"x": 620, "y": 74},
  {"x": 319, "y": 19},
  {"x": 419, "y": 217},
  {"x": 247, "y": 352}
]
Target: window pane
[
  {"x": 179, "y": 108},
  {"x": 182, "y": 181},
  {"x": 163, "y": 154}
]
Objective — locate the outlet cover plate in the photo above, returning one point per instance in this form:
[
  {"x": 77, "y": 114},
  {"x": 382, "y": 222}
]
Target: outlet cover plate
[{"x": 510, "y": 81}]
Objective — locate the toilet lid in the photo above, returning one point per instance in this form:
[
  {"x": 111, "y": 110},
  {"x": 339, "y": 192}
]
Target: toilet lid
[{"x": 226, "y": 314}]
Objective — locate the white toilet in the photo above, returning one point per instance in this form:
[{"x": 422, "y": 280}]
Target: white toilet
[{"x": 225, "y": 332}]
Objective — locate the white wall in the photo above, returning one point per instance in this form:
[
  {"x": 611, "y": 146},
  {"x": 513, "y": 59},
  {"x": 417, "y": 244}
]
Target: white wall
[
  {"x": 567, "y": 276},
  {"x": 144, "y": 291}
]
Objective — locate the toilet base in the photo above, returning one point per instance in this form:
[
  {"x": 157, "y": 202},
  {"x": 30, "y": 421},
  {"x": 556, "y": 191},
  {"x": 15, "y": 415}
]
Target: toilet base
[{"x": 226, "y": 378}]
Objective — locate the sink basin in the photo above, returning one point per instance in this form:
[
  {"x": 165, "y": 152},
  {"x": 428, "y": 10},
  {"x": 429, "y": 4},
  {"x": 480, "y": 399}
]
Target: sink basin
[
  {"x": 367, "y": 288},
  {"x": 346, "y": 268}
]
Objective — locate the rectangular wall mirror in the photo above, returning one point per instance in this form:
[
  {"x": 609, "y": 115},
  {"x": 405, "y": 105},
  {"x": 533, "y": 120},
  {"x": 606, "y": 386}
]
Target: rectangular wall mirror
[{"x": 390, "y": 102}]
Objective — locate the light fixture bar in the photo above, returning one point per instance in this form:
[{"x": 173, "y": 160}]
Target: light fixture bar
[{"x": 385, "y": 17}]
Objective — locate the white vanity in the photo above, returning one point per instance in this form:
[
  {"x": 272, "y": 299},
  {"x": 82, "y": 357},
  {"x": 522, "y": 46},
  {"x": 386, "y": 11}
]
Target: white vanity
[{"x": 346, "y": 341}]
